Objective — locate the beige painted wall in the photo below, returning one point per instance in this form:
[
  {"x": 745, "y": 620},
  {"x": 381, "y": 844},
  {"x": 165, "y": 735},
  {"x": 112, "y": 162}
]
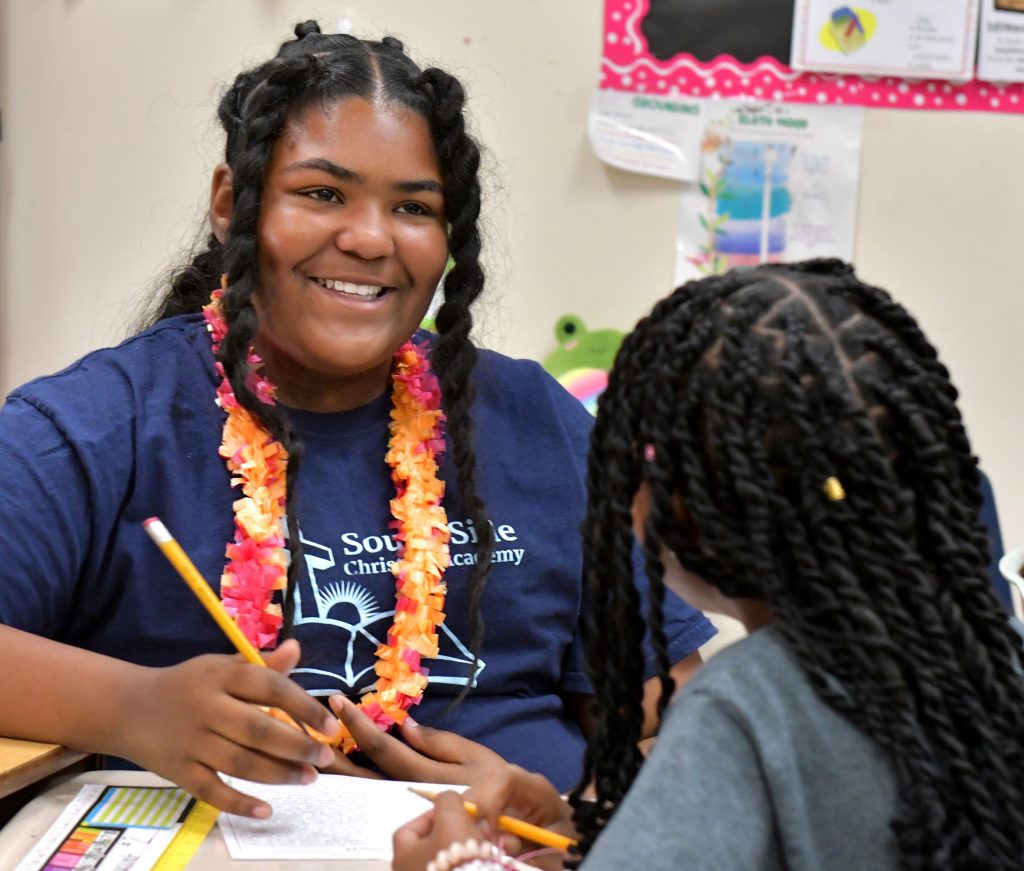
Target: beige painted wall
[{"x": 108, "y": 142}]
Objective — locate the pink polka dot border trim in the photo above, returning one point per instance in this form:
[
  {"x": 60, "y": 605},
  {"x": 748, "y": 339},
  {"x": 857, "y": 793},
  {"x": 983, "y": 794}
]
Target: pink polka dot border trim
[{"x": 627, "y": 65}]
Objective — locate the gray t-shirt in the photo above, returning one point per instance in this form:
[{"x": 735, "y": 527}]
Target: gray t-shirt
[{"x": 752, "y": 770}]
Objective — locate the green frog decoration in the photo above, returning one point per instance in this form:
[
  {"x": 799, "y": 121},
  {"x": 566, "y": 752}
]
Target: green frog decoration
[{"x": 583, "y": 358}]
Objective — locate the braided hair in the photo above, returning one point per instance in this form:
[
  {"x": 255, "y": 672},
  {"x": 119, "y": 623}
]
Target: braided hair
[
  {"x": 737, "y": 399},
  {"x": 317, "y": 68}
]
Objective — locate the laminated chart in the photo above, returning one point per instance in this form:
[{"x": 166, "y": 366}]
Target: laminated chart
[
  {"x": 111, "y": 827},
  {"x": 777, "y": 183}
]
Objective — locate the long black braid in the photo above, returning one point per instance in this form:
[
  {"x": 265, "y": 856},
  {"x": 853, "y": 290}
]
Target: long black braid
[
  {"x": 734, "y": 401},
  {"x": 321, "y": 68}
]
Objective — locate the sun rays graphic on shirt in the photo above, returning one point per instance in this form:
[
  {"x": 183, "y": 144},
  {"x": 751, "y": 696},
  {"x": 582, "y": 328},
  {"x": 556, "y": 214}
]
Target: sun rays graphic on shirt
[
  {"x": 346, "y": 593},
  {"x": 351, "y": 609}
]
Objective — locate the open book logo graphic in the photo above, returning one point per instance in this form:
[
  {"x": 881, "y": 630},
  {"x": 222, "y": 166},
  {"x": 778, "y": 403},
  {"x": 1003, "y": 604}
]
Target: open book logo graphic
[{"x": 344, "y": 617}]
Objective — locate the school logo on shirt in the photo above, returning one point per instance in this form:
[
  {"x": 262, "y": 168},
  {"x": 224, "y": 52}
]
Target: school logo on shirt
[{"x": 341, "y": 620}]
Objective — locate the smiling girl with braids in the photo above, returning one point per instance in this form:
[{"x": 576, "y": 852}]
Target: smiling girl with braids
[
  {"x": 381, "y": 474},
  {"x": 787, "y": 446}
]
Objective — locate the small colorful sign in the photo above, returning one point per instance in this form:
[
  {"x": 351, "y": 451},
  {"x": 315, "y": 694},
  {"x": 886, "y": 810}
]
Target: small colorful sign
[{"x": 911, "y": 38}]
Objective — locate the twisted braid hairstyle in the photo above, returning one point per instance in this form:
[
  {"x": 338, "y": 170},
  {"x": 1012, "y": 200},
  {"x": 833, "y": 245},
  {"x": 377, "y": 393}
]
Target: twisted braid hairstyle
[
  {"x": 734, "y": 401},
  {"x": 316, "y": 68}
]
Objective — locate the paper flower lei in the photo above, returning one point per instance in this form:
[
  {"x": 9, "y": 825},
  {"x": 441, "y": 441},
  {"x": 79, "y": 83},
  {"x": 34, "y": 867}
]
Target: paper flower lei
[{"x": 257, "y": 559}]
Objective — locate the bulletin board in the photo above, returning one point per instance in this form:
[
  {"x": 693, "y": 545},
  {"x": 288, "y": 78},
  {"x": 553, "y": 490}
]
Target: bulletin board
[{"x": 741, "y": 48}]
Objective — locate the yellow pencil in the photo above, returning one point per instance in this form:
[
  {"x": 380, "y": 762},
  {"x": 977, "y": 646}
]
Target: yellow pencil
[
  {"x": 520, "y": 828},
  {"x": 198, "y": 585}
]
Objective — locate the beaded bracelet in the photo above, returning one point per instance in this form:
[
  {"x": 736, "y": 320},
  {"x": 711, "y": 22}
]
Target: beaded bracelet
[{"x": 472, "y": 855}]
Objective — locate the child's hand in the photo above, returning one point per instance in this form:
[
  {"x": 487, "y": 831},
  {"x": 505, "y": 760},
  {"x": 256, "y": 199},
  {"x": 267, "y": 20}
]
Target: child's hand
[
  {"x": 420, "y": 840},
  {"x": 428, "y": 756},
  {"x": 511, "y": 791},
  {"x": 529, "y": 797},
  {"x": 192, "y": 721}
]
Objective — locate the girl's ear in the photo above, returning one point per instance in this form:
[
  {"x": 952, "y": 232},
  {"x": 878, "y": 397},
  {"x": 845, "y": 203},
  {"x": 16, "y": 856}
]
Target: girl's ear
[{"x": 222, "y": 202}]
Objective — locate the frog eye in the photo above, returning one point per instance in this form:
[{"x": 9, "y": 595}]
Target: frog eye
[{"x": 569, "y": 329}]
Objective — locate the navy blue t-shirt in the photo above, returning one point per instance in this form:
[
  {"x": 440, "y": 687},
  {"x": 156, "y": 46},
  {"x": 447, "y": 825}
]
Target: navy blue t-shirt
[{"x": 132, "y": 432}]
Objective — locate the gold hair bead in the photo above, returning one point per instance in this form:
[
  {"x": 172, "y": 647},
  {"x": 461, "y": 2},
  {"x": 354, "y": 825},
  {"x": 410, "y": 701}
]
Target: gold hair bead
[{"x": 834, "y": 491}]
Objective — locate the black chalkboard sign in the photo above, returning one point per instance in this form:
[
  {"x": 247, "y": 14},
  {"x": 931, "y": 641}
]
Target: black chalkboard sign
[{"x": 745, "y": 29}]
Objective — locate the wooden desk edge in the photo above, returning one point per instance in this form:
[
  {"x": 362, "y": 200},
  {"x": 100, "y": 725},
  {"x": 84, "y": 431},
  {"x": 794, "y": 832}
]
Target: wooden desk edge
[{"x": 28, "y": 763}]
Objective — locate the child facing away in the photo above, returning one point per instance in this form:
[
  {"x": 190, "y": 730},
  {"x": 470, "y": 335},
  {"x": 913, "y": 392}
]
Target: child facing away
[{"x": 787, "y": 446}]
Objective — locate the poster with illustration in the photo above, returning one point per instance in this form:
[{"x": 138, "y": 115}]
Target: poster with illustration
[
  {"x": 728, "y": 49},
  {"x": 911, "y": 38},
  {"x": 777, "y": 183},
  {"x": 1001, "y": 41}
]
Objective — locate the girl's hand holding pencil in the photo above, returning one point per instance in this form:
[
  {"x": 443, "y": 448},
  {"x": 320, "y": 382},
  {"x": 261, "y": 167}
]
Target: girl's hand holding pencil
[{"x": 193, "y": 721}]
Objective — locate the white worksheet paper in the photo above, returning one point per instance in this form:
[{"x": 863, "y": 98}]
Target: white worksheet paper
[{"x": 335, "y": 817}]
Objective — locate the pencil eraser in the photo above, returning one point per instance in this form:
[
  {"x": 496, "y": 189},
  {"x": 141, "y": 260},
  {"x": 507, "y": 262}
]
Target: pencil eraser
[{"x": 156, "y": 530}]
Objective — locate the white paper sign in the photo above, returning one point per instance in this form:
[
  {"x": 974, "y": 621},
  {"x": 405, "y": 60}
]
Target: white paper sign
[
  {"x": 925, "y": 39},
  {"x": 654, "y": 135},
  {"x": 778, "y": 182},
  {"x": 1001, "y": 41}
]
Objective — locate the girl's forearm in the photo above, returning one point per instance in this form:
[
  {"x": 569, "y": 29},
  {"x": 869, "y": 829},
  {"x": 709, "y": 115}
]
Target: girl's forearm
[{"x": 61, "y": 694}]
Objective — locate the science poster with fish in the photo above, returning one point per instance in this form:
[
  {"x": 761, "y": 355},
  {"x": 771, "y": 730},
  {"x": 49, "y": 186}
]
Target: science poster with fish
[
  {"x": 777, "y": 182},
  {"x": 677, "y": 51}
]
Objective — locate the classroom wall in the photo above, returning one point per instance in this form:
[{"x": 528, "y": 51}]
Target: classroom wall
[{"x": 108, "y": 143}]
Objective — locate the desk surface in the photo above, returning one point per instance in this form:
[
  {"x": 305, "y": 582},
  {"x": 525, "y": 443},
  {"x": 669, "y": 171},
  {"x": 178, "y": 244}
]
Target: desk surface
[
  {"x": 25, "y": 762},
  {"x": 32, "y": 821}
]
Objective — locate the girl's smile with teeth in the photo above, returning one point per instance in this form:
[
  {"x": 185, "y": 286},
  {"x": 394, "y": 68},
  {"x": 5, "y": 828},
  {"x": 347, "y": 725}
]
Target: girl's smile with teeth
[
  {"x": 372, "y": 291},
  {"x": 352, "y": 245}
]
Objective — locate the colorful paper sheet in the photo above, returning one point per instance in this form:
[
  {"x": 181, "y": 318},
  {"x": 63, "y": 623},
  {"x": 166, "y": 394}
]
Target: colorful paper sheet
[
  {"x": 777, "y": 183},
  {"x": 111, "y": 827}
]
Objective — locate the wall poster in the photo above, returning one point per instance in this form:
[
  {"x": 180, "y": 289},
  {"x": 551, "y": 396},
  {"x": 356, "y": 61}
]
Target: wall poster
[
  {"x": 777, "y": 182},
  {"x": 918, "y": 39}
]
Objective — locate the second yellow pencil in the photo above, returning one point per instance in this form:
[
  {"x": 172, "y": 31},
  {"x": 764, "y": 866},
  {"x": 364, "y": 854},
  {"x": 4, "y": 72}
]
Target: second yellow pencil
[{"x": 519, "y": 828}]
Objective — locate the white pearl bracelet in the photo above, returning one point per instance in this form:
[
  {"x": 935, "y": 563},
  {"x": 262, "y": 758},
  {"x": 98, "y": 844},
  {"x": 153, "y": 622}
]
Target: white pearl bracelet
[{"x": 471, "y": 855}]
